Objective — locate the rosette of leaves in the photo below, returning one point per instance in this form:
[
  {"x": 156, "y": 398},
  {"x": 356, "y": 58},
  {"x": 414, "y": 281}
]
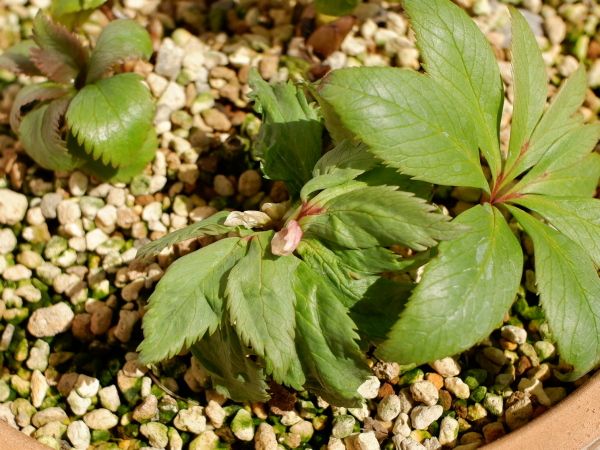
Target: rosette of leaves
[
  {"x": 435, "y": 127},
  {"x": 281, "y": 296},
  {"x": 84, "y": 116}
]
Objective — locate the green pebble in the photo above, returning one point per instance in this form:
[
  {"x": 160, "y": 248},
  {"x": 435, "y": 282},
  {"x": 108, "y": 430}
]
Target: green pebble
[
  {"x": 544, "y": 350},
  {"x": 478, "y": 394},
  {"x": 5, "y": 391},
  {"x": 101, "y": 435},
  {"x": 412, "y": 376},
  {"x": 471, "y": 382}
]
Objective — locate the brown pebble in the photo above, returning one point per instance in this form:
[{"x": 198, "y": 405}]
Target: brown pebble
[
  {"x": 507, "y": 345},
  {"x": 278, "y": 192},
  {"x": 144, "y": 199},
  {"x": 101, "y": 319},
  {"x": 81, "y": 327},
  {"x": 445, "y": 399},
  {"x": 523, "y": 365},
  {"x": 436, "y": 379},
  {"x": 538, "y": 411},
  {"x": 384, "y": 390},
  {"x": 493, "y": 431},
  {"x": 328, "y": 38}
]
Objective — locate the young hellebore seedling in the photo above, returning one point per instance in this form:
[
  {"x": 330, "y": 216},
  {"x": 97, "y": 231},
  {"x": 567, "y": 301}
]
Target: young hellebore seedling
[
  {"x": 83, "y": 116},
  {"x": 280, "y": 286},
  {"x": 433, "y": 127}
]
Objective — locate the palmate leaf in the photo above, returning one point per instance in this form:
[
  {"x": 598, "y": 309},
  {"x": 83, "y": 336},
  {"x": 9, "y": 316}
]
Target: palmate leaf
[
  {"x": 569, "y": 289},
  {"x": 557, "y": 121},
  {"x": 530, "y": 86},
  {"x": 211, "y": 226},
  {"x": 575, "y": 217},
  {"x": 60, "y": 55},
  {"x": 120, "y": 40},
  {"x": 289, "y": 143},
  {"x": 415, "y": 128},
  {"x": 359, "y": 216},
  {"x": 463, "y": 294},
  {"x": 40, "y": 135},
  {"x": 261, "y": 306},
  {"x": 17, "y": 59},
  {"x": 326, "y": 341},
  {"x": 34, "y": 93},
  {"x": 233, "y": 373},
  {"x": 459, "y": 58},
  {"x": 111, "y": 118},
  {"x": 198, "y": 279}
]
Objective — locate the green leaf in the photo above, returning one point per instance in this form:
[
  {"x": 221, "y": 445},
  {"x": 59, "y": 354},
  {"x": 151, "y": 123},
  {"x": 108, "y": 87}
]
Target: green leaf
[
  {"x": 33, "y": 93},
  {"x": 261, "y": 304},
  {"x": 575, "y": 217},
  {"x": 111, "y": 118},
  {"x": 211, "y": 226},
  {"x": 458, "y": 57},
  {"x": 463, "y": 294},
  {"x": 232, "y": 372},
  {"x": 566, "y": 168},
  {"x": 121, "y": 174},
  {"x": 358, "y": 216},
  {"x": 198, "y": 279},
  {"x": 556, "y": 122},
  {"x": 346, "y": 157},
  {"x": 62, "y": 7},
  {"x": 416, "y": 128},
  {"x": 289, "y": 142},
  {"x": 349, "y": 286},
  {"x": 120, "y": 40},
  {"x": 379, "y": 309},
  {"x": 343, "y": 163},
  {"x": 326, "y": 341},
  {"x": 530, "y": 86},
  {"x": 61, "y": 55},
  {"x": 17, "y": 58},
  {"x": 377, "y": 260},
  {"x": 577, "y": 180},
  {"x": 336, "y": 7},
  {"x": 569, "y": 289},
  {"x": 390, "y": 176},
  {"x": 40, "y": 135}
]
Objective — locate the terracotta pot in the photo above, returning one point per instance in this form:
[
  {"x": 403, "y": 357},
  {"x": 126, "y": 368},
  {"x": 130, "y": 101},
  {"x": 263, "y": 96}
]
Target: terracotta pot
[
  {"x": 11, "y": 439},
  {"x": 572, "y": 425}
]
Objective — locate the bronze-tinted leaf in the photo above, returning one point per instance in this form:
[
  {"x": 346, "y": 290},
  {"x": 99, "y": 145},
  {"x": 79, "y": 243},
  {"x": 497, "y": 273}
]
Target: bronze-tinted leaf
[
  {"x": 61, "y": 55},
  {"x": 30, "y": 94}
]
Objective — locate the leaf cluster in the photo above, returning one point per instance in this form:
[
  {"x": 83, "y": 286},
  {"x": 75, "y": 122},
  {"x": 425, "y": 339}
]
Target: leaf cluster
[
  {"x": 83, "y": 117},
  {"x": 290, "y": 298},
  {"x": 437, "y": 127},
  {"x": 276, "y": 299}
]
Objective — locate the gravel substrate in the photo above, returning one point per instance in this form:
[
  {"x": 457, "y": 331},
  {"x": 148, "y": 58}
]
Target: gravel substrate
[{"x": 72, "y": 296}]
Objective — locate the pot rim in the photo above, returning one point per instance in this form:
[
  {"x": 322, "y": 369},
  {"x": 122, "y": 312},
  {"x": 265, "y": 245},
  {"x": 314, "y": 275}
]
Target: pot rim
[{"x": 573, "y": 424}]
